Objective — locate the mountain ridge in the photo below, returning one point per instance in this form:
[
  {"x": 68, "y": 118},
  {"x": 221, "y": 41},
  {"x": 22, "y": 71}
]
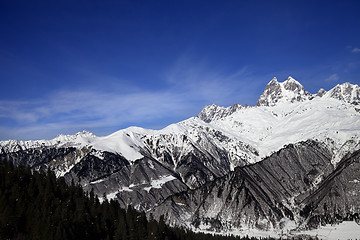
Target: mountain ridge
[{"x": 273, "y": 94}]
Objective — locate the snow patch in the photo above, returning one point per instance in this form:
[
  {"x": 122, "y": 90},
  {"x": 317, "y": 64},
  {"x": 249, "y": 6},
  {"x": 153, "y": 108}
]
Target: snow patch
[
  {"x": 98, "y": 181},
  {"x": 159, "y": 182},
  {"x": 98, "y": 154},
  {"x": 344, "y": 230},
  {"x": 151, "y": 165},
  {"x": 113, "y": 194}
]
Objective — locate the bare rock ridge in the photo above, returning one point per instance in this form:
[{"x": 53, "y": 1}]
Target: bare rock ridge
[
  {"x": 214, "y": 112},
  {"x": 346, "y": 92},
  {"x": 296, "y": 184},
  {"x": 292, "y": 158}
]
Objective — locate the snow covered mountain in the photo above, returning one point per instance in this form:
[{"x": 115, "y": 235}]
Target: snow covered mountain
[
  {"x": 285, "y": 113},
  {"x": 146, "y": 168}
]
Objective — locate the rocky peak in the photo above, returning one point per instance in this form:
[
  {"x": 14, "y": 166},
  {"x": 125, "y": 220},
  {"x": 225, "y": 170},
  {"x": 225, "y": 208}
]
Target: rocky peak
[
  {"x": 214, "y": 112},
  {"x": 347, "y": 92},
  {"x": 292, "y": 85},
  {"x": 85, "y": 133},
  {"x": 321, "y": 92},
  {"x": 288, "y": 91},
  {"x": 79, "y": 135}
]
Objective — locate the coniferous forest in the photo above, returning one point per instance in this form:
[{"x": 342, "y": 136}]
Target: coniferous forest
[{"x": 37, "y": 205}]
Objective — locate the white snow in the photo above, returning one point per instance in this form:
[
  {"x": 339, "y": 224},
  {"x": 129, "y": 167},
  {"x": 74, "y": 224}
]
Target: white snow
[
  {"x": 113, "y": 194},
  {"x": 97, "y": 154},
  {"x": 151, "y": 165},
  {"x": 98, "y": 181},
  {"x": 80, "y": 139},
  {"x": 124, "y": 142},
  {"x": 344, "y": 230},
  {"x": 245, "y": 232},
  {"x": 159, "y": 182},
  {"x": 270, "y": 128}
]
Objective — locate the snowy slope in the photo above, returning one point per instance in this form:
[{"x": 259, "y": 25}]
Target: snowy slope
[{"x": 269, "y": 128}]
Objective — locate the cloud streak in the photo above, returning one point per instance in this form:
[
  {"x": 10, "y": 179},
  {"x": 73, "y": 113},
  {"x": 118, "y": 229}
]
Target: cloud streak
[
  {"x": 333, "y": 78},
  {"x": 189, "y": 88}
]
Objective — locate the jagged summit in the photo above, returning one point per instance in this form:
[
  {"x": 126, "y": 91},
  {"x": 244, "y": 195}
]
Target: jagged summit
[
  {"x": 288, "y": 91},
  {"x": 82, "y": 138},
  {"x": 83, "y": 133},
  {"x": 347, "y": 92},
  {"x": 214, "y": 112},
  {"x": 273, "y": 81},
  {"x": 321, "y": 92},
  {"x": 292, "y": 91}
]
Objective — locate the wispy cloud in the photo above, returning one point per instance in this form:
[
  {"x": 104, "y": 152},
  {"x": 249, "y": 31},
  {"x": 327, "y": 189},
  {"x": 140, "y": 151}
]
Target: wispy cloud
[
  {"x": 333, "y": 78},
  {"x": 91, "y": 109},
  {"x": 355, "y": 50},
  {"x": 189, "y": 88}
]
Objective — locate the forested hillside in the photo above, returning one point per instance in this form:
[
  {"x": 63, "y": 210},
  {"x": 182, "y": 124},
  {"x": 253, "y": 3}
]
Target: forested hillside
[{"x": 37, "y": 205}]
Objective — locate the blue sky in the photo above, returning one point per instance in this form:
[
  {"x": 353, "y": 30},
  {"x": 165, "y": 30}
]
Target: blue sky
[{"x": 102, "y": 66}]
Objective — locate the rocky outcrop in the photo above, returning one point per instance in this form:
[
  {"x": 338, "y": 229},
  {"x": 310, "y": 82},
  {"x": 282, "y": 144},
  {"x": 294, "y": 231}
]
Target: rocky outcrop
[
  {"x": 288, "y": 91},
  {"x": 346, "y": 92},
  {"x": 214, "y": 112}
]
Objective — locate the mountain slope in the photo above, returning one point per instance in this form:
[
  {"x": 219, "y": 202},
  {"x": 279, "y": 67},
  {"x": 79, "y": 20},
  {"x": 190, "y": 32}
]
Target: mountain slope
[
  {"x": 263, "y": 162},
  {"x": 296, "y": 185}
]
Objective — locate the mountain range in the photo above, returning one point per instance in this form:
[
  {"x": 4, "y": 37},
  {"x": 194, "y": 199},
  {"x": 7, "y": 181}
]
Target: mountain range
[{"x": 290, "y": 163}]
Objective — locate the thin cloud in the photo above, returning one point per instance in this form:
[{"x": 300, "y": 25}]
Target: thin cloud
[
  {"x": 333, "y": 78},
  {"x": 211, "y": 86},
  {"x": 188, "y": 90},
  {"x": 355, "y": 50}
]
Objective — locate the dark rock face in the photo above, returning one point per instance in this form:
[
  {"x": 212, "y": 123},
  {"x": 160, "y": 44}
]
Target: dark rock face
[
  {"x": 195, "y": 162},
  {"x": 43, "y": 158},
  {"x": 283, "y": 186},
  {"x": 337, "y": 197},
  {"x": 143, "y": 184}
]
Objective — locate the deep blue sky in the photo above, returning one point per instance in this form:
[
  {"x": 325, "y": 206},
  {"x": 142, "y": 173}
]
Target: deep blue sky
[{"x": 102, "y": 66}]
